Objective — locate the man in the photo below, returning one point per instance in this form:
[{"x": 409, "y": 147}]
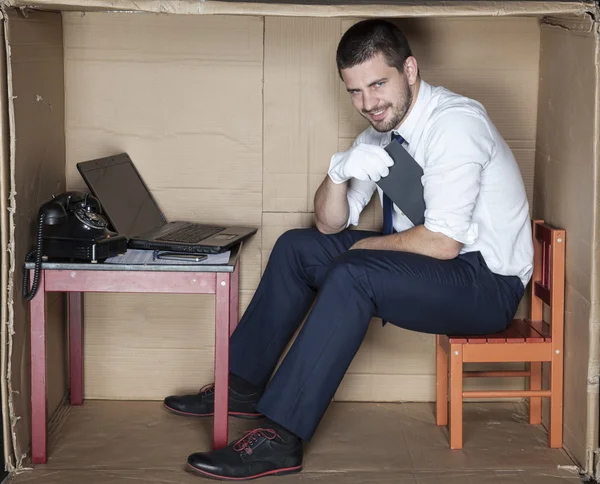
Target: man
[{"x": 462, "y": 272}]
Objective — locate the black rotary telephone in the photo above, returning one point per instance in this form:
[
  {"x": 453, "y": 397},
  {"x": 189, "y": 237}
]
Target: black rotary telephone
[{"x": 71, "y": 227}]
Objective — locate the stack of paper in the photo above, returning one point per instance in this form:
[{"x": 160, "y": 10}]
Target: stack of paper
[{"x": 142, "y": 257}]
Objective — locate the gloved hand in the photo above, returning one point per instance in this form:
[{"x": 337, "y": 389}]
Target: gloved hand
[{"x": 364, "y": 162}]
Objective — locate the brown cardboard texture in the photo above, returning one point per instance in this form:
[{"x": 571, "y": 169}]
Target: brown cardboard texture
[
  {"x": 36, "y": 108},
  {"x": 233, "y": 119},
  {"x": 5, "y": 184},
  {"x": 357, "y": 443},
  {"x": 335, "y": 8},
  {"x": 166, "y": 97},
  {"x": 561, "y": 170}
]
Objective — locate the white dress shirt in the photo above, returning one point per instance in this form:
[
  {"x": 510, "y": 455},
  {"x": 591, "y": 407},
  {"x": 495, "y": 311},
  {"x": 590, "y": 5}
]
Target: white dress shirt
[{"x": 473, "y": 189}]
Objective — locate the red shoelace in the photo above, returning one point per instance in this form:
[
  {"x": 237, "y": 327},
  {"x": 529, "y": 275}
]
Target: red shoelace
[
  {"x": 207, "y": 389},
  {"x": 251, "y": 436}
]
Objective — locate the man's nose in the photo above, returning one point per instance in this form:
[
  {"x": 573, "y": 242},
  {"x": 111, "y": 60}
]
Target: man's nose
[{"x": 369, "y": 101}]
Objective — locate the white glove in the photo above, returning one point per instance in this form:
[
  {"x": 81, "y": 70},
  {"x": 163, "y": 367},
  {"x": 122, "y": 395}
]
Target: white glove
[{"x": 364, "y": 162}]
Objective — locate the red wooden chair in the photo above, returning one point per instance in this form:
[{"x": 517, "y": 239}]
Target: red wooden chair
[{"x": 525, "y": 340}]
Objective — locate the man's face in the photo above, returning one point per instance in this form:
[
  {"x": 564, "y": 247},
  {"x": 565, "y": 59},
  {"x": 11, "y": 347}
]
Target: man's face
[{"x": 379, "y": 92}]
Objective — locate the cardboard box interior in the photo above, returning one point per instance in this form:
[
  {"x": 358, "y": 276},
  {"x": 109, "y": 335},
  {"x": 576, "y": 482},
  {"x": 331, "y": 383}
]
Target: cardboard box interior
[
  {"x": 233, "y": 119},
  {"x": 356, "y": 443}
]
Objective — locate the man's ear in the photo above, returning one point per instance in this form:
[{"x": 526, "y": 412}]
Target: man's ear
[{"x": 411, "y": 70}]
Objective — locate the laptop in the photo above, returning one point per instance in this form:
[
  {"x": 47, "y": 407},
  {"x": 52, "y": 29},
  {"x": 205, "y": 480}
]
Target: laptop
[{"x": 133, "y": 212}]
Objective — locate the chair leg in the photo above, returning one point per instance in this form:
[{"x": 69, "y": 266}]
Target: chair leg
[
  {"x": 535, "y": 403},
  {"x": 441, "y": 413},
  {"x": 555, "y": 436},
  {"x": 456, "y": 398}
]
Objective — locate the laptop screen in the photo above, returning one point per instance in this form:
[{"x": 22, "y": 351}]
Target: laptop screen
[{"x": 126, "y": 201}]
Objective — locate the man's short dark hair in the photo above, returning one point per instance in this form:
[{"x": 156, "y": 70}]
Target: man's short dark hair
[{"x": 368, "y": 38}]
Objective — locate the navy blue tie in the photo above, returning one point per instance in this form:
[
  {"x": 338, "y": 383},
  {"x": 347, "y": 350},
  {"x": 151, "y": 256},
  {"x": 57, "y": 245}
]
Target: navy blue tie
[{"x": 388, "y": 206}]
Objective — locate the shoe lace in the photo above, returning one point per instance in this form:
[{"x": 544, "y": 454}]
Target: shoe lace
[
  {"x": 245, "y": 443},
  {"x": 206, "y": 389}
]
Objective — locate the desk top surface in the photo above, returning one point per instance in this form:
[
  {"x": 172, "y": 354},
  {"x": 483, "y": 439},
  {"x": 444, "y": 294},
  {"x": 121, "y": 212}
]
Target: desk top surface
[{"x": 88, "y": 266}]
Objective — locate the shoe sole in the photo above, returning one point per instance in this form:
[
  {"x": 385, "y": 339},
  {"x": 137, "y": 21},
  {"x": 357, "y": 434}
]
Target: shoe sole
[
  {"x": 247, "y": 416},
  {"x": 276, "y": 472}
]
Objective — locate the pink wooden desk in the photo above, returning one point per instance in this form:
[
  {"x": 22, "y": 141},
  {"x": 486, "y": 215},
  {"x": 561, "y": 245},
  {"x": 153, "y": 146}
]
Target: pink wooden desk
[{"x": 75, "y": 279}]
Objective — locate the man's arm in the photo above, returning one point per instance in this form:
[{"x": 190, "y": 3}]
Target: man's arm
[
  {"x": 331, "y": 207},
  {"x": 417, "y": 240},
  {"x": 458, "y": 148},
  {"x": 349, "y": 185}
]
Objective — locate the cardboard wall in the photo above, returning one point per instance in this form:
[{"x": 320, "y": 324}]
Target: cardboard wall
[
  {"x": 566, "y": 196},
  {"x": 6, "y": 262},
  {"x": 183, "y": 96},
  {"x": 234, "y": 119},
  {"x": 37, "y": 162}
]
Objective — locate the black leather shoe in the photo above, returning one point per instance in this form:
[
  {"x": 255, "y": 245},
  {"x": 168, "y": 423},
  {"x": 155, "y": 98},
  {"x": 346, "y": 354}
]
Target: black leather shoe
[
  {"x": 202, "y": 404},
  {"x": 260, "y": 452}
]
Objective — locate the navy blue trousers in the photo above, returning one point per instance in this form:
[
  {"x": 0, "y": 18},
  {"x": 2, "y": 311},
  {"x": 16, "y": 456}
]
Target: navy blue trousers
[{"x": 348, "y": 288}]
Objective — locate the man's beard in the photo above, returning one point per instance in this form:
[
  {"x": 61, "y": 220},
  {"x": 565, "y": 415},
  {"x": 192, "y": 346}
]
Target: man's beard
[{"x": 398, "y": 113}]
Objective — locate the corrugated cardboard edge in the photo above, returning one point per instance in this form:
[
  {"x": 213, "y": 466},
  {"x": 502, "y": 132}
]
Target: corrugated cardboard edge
[
  {"x": 406, "y": 9},
  {"x": 17, "y": 456},
  {"x": 584, "y": 23},
  {"x": 4, "y": 240},
  {"x": 593, "y": 396}
]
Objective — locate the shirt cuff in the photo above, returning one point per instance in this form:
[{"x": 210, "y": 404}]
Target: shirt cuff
[
  {"x": 466, "y": 234},
  {"x": 354, "y": 216}
]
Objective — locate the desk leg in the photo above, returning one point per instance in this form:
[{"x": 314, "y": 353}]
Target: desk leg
[
  {"x": 76, "y": 347},
  {"x": 222, "y": 325},
  {"x": 234, "y": 301},
  {"x": 38, "y": 373}
]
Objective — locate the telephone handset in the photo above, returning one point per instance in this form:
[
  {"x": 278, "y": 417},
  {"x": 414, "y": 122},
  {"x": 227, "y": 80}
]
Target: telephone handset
[
  {"x": 71, "y": 227},
  {"x": 85, "y": 207}
]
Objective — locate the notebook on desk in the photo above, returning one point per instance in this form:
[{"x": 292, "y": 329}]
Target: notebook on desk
[
  {"x": 403, "y": 184},
  {"x": 133, "y": 212}
]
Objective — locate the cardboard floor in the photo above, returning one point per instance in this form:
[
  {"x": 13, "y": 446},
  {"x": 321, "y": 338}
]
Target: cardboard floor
[{"x": 125, "y": 442}]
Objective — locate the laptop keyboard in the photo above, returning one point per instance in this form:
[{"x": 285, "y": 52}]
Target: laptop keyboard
[{"x": 190, "y": 233}]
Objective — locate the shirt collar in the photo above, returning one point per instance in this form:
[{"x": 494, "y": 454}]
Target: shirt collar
[{"x": 407, "y": 128}]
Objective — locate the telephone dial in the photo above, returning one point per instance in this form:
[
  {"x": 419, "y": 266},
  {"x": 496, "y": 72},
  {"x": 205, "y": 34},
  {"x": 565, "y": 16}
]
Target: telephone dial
[{"x": 71, "y": 227}]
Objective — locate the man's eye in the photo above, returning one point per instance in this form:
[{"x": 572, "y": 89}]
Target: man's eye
[{"x": 379, "y": 84}]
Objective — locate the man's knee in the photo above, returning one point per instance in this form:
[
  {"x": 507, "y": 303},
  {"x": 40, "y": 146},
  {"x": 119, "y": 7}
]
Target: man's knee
[
  {"x": 296, "y": 240},
  {"x": 351, "y": 266}
]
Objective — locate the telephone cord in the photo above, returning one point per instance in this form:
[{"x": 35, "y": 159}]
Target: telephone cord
[{"x": 38, "y": 251}]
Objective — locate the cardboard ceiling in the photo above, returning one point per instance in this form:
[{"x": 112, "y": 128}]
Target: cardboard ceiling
[{"x": 315, "y": 8}]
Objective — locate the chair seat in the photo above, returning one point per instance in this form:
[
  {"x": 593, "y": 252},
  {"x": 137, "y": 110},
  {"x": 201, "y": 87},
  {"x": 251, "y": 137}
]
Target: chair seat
[{"x": 518, "y": 331}]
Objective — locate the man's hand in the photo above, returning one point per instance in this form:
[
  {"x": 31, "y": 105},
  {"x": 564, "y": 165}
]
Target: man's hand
[
  {"x": 417, "y": 240},
  {"x": 364, "y": 162}
]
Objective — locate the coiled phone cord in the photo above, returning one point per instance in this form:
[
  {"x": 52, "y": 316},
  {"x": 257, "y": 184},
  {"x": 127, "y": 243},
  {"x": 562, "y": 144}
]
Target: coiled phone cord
[{"x": 38, "y": 251}]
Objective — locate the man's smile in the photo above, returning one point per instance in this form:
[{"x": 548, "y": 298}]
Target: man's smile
[{"x": 378, "y": 115}]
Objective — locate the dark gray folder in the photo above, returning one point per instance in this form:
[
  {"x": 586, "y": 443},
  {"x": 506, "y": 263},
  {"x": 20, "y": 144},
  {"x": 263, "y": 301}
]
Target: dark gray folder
[{"x": 403, "y": 184}]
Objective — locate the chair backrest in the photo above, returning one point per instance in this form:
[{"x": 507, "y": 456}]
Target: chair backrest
[{"x": 548, "y": 280}]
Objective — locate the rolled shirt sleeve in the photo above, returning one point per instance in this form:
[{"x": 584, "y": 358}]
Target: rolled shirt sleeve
[
  {"x": 359, "y": 194},
  {"x": 459, "y": 145}
]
